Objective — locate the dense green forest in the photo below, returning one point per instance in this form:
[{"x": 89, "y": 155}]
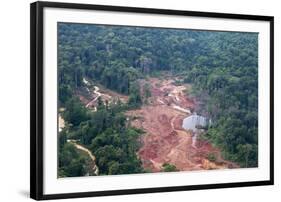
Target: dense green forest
[
  {"x": 221, "y": 67},
  {"x": 105, "y": 133}
]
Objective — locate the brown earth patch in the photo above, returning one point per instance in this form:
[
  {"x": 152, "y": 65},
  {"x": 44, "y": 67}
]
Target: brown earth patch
[{"x": 165, "y": 141}]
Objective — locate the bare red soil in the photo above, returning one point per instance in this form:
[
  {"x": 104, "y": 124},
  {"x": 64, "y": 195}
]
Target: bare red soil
[{"x": 165, "y": 141}]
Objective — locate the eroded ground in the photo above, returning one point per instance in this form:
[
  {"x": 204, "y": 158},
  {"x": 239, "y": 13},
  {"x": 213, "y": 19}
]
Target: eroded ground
[{"x": 165, "y": 141}]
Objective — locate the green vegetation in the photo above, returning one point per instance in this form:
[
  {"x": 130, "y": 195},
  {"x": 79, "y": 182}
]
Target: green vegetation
[
  {"x": 169, "y": 167},
  {"x": 135, "y": 99},
  {"x": 105, "y": 134},
  {"x": 222, "y": 68},
  {"x": 212, "y": 157},
  {"x": 230, "y": 96},
  {"x": 72, "y": 162}
]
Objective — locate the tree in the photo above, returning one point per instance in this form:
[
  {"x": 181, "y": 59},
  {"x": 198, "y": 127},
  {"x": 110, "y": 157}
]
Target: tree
[
  {"x": 74, "y": 113},
  {"x": 71, "y": 162},
  {"x": 244, "y": 152},
  {"x": 135, "y": 96},
  {"x": 169, "y": 167}
]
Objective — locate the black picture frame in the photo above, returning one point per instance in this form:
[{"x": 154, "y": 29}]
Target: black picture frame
[{"x": 36, "y": 98}]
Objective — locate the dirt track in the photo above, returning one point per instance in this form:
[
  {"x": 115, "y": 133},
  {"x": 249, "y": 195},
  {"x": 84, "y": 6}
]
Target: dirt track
[
  {"x": 89, "y": 153},
  {"x": 165, "y": 140},
  {"x": 93, "y": 92}
]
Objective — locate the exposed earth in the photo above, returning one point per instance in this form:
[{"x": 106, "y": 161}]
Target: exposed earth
[
  {"x": 165, "y": 141},
  {"x": 161, "y": 117}
]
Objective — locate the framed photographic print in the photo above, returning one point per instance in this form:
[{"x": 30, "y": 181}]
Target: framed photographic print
[{"x": 136, "y": 100}]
